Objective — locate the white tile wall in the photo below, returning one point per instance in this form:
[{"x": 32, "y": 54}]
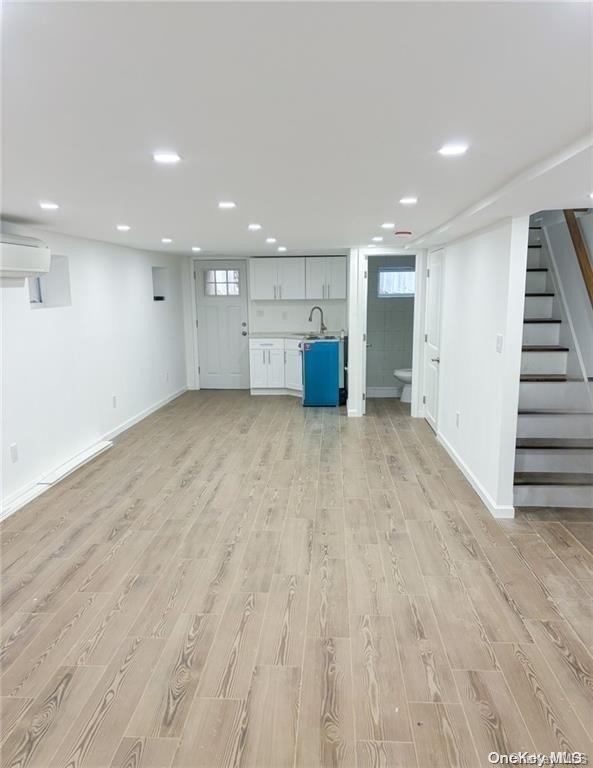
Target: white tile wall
[
  {"x": 390, "y": 325},
  {"x": 279, "y": 316}
]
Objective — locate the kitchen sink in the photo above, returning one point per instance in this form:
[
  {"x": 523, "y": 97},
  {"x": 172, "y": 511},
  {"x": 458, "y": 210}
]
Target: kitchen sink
[{"x": 312, "y": 336}]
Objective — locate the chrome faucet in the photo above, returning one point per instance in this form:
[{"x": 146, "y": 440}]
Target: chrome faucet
[{"x": 322, "y": 327}]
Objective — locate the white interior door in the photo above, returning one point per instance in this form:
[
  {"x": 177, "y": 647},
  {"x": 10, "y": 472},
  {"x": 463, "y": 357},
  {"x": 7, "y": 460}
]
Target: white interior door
[
  {"x": 432, "y": 344},
  {"x": 223, "y": 344}
]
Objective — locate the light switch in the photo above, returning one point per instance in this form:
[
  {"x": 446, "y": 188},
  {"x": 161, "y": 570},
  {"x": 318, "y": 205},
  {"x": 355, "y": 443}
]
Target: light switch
[{"x": 499, "y": 342}]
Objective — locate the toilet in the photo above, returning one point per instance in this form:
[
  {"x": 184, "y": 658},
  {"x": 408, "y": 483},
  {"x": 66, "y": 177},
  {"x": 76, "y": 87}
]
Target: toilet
[{"x": 405, "y": 376}]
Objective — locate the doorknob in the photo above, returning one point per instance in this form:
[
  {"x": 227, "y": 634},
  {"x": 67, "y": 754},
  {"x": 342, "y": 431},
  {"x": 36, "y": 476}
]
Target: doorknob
[
  {"x": 435, "y": 359},
  {"x": 243, "y": 333},
  {"x": 369, "y": 345}
]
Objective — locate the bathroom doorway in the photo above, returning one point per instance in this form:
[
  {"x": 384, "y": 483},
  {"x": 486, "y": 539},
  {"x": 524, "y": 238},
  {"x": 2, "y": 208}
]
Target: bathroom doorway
[{"x": 391, "y": 290}]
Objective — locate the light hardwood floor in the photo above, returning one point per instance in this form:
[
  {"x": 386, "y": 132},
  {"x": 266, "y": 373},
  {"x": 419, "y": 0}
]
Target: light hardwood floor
[{"x": 244, "y": 582}]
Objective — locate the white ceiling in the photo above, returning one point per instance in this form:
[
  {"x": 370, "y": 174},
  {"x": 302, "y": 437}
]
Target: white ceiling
[{"x": 314, "y": 117}]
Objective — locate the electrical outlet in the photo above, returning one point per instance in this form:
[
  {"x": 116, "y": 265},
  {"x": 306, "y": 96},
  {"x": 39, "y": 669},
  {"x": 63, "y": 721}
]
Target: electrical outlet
[
  {"x": 457, "y": 417},
  {"x": 14, "y": 453},
  {"x": 114, "y": 401},
  {"x": 499, "y": 342}
]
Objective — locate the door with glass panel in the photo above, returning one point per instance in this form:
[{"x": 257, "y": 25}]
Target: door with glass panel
[{"x": 223, "y": 348}]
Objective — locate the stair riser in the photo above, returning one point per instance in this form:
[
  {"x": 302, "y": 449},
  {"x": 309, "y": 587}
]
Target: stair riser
[
  {"x": 567, "y": 395},
  {"x": 535, "y": 238},
  {"x": 544, "y": 362},
  {"x": 556, "y": 425},
  {"x": 553, "y": 496},
  {"x": 533, "y": 258},
  {"x": 536, "y": 281},
  {"x": 538, "y": 306},
  {"x": 541, "y": 333},
  {"x": 553, "y": 460}
]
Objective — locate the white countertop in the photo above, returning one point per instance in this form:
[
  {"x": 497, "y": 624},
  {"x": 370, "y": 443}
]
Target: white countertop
[{"x": 289, "y": 334}]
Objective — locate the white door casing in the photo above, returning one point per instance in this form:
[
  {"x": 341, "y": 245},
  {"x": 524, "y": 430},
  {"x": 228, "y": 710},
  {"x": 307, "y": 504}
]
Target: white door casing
[
  {"x": 432, "y": 343},
  {"x": 222, "y": 329}
]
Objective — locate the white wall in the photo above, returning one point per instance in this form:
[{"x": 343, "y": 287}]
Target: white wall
[
  {"x": 62, "y": 365},
  {"x": 390, "y": 328},
  {"x": 279, "y": 316},
  {"x": 483, "y": 296}
]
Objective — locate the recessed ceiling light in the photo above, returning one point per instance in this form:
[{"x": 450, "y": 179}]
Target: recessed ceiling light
[
  {"x": 196, "y": 248},
  {"x": 123, "y": 228},
  {"x": 388, "y": 225},
  {"x": 453, "y": 149},
  {"x": 409, "y": 200},
  {"x": 270, "y": 239},
  {"x": 281, "y": 248},
  {"x": 254, "y": 227},
  {"x": 591, "y": 195},
  {"x": 47, "y": 206},
  {"x": 166, "y": 240},
  {"x": 371, "y": 245},
  {"x": 378, "y": 239},
  {"x": 226, "y": 205},
  {"x": 166, "y": 157}
]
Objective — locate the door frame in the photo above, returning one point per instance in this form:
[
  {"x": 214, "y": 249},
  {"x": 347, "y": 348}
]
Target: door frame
[
  {"x": 193, "y": 301},
  {"x": 439, "y": 311},
  {"x": 357, "y": 326}
]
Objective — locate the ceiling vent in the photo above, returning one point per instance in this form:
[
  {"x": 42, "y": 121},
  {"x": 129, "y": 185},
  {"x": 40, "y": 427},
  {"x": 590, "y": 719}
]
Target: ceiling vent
[{"x": 22, "y": 257}]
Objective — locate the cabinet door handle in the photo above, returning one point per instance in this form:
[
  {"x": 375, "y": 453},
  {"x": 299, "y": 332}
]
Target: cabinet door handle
[
  {"x": 263, "y": 356},
  {"x": 274, "y": 291},
  {"x": 328, "y": 291},
  {"x": 323, "y": 291},
  {"x": 279, "y": 291},
  {"x": 269, "y": 357}
]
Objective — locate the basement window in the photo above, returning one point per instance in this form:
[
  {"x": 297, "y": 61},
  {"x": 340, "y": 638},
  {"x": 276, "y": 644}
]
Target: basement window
[
  {"x": 396, "y": 282},
  {"x": 53, "y": 288},
  {"x": 159, "y": 283},
  {"x": 221, "y": 282}
]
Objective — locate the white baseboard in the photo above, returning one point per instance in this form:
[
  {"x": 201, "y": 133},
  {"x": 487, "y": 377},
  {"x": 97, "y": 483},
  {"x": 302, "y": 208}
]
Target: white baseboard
[
  {"x": 29, "y": 492},
  {"x": 496, "y": 510},
  {"x": 292, "y": 392},
  {"x": 143, "y": 414},
  {"x": 384, "y": 391}
]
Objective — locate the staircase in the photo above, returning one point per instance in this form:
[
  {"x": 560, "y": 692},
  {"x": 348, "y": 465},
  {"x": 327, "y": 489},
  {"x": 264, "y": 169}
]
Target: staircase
[{"x": 554, "y": 449}]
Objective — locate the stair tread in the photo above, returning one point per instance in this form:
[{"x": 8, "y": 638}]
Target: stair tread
[
  {"x": 574, "y": 443},
  {"x": 544, "y": 348},
  {"x": 540, "y": 293},
  {"x": 544, "y": 377},
  {"x": 537, "y": 269},
  {"x": 534, "y": 227},
  {"x": 541, "y": 320},
  {"x": 537, "y": 245},
  {"x": 552, "y": 412},
  {"x": 553, "y": 478}
]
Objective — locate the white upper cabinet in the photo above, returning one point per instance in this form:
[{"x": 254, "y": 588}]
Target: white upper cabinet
[
  {"x": 291, "y": 278},
  {"x": 277, "y": 278},
  {"x": 335, "y": 272},
  {"x": 263, "y": 278},
  {"x": 326, "y": 277},
  {"x": 315, "y": 278}
]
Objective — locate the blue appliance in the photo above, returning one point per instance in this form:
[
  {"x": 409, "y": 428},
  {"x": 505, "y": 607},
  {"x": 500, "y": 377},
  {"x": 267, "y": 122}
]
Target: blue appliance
[{"x": 321, "y": 375}]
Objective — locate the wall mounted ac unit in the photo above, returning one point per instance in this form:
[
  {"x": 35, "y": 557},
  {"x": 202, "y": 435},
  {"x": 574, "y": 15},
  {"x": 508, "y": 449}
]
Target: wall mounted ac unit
[{"x": 22, "y": 257}]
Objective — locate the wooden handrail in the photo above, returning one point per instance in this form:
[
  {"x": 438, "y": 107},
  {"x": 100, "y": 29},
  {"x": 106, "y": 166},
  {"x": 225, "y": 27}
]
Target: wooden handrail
[{"x": 580, "y": 247}]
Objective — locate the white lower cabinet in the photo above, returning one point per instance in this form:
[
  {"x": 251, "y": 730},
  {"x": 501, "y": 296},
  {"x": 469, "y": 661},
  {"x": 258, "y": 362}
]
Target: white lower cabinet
[
  {"x": 293, "y": 365},
  {"x": 275, "y": 364},
  {"x": 258, "y": 368},
  {"x": 266, "y": 363},
  {"x": 275, "y": 368}
]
